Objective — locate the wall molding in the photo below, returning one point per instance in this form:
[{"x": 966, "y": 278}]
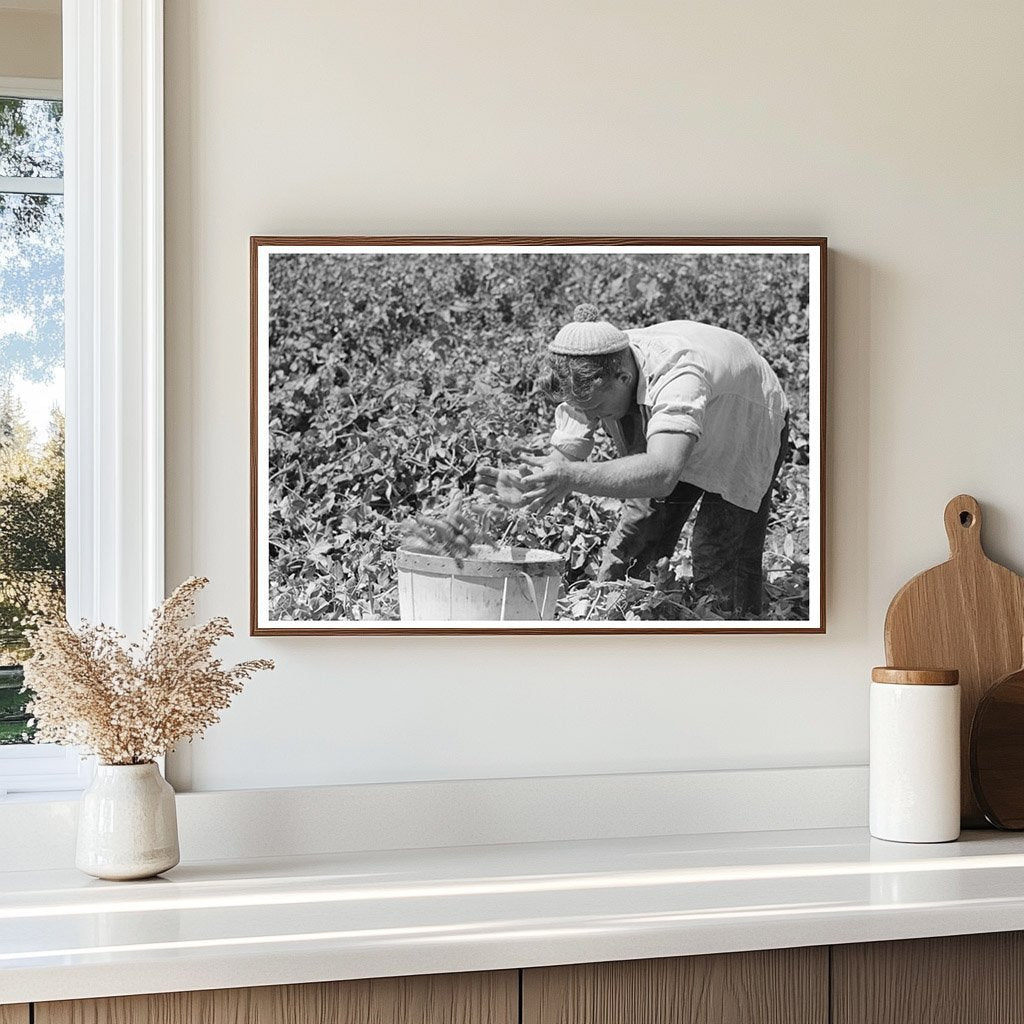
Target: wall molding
[
  {"x": 114, "y": 315},
  {"x": 244, "y": 824}
]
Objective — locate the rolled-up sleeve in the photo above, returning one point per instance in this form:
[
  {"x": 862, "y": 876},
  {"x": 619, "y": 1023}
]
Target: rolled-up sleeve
[
  {"x": 573, "y": 435},
  {"x": 678, "y": 402}
]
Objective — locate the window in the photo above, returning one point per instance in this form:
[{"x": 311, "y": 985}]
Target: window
[
  {"x": 113, "y": 331},
  {"x": 32, "y": 507},
  {"x": 32, "y": 531},
  {"x": 31, "y": 382}
]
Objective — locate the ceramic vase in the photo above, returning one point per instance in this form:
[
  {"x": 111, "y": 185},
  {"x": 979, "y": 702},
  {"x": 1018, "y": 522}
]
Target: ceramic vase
[{"x": 127, "y": 825}]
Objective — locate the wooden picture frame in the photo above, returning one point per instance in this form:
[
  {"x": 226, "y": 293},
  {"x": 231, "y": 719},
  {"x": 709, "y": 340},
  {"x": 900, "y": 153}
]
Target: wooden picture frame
[{"x": 387, "y": 373}]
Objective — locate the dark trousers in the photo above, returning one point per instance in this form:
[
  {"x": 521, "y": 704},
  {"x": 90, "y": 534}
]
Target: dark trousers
[{"x": 727, "y": 549}]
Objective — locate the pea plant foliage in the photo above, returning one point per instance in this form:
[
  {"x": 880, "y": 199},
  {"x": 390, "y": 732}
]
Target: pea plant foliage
[{"x": 387, "y": 373}]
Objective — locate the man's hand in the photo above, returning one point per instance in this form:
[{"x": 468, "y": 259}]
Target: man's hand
[
  {"x": 504, "y": 484},
  {"x": 548, "y": 482}
]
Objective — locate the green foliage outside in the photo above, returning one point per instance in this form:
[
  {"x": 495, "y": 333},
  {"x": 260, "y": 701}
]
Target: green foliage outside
[
  {"x": 393, "y": 375},
  {"x": 31, "y": 548},
  {"x": 13, "y": 721}
]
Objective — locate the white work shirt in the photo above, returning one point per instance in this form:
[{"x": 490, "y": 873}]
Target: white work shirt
[{"x": 706, "y": 381}]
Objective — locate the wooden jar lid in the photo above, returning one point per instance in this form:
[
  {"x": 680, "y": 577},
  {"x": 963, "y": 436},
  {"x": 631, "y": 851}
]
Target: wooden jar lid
[{"x": 916, "y": 676}]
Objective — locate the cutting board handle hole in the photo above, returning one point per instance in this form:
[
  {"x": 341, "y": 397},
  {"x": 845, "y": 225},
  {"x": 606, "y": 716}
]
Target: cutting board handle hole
[{"x": 962, "y": 518}]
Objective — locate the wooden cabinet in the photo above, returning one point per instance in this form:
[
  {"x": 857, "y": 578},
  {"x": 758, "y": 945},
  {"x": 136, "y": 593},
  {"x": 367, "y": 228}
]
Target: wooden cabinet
[
  {"x": 777, "y": 986},
  {"x": 491, "y": 998},
  {"x": 967, "y": 979},
  {"x": 962, "y": 979}
]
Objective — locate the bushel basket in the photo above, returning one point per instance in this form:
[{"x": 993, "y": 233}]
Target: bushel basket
[{"x": 505, "y": 585}]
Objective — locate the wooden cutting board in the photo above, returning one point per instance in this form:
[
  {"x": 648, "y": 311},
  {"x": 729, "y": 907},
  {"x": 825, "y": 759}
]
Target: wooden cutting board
[{"x": 967, "y": 614}]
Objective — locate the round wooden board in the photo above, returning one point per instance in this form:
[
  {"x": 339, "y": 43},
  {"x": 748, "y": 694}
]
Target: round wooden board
[
  {"x": 968, "y": 614},
  {"x": 997, "y": 752}
]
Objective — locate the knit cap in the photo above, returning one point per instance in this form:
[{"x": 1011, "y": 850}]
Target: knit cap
[{"x": 588, "y": 335}]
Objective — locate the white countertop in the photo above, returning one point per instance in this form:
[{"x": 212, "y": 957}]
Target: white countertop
[{"x": 225, "y": 924}]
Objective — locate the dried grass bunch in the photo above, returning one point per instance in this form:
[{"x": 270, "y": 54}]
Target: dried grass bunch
[{"x": 130, "y": 703}]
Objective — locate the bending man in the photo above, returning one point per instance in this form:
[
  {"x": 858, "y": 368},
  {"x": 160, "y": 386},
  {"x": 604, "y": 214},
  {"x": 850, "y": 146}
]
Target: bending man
[{"x": 697, "y": 415}]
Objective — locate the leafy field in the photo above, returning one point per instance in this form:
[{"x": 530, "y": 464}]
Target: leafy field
[{"x": 393, "y": 375}]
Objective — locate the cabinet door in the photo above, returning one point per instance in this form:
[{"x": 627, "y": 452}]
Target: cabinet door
[
  {"x": 962, "y": 979},
  {"x": 14, "y": 1014},
  {"x": 777, "y": 986},
  {"x": 484, "y": 998}
]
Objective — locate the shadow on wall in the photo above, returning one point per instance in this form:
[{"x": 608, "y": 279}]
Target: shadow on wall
[{"x": 853, "y": 287}]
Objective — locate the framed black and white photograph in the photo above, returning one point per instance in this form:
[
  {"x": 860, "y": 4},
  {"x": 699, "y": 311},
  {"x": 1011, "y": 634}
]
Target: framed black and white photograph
[{"x": 537, "y": 435}]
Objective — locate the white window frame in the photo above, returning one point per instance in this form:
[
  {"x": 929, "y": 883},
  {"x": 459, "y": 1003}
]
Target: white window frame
[
  {"x": 38, "y": 767},
  {"x": 31, "y": 89},
  {"x": 113, "y": 284}
]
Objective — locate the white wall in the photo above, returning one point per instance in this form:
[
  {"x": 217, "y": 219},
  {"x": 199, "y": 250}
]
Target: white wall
[
  {"x": 894, "y": 129},
  {"x": 30, "y": 41}
]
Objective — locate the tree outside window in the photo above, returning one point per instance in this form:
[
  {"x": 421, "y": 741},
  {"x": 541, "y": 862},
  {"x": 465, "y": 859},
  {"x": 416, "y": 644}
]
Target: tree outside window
[{"x": 32, "y": 544}]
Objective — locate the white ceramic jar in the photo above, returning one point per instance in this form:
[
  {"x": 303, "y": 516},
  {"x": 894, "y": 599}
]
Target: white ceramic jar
[
  {"x": 127, "y": 823},
  {"x": 915, "y": 755}
]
